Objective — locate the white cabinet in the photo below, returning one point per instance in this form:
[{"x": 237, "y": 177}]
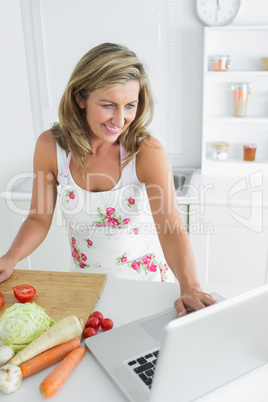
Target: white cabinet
[
  {"x": 245, "y": 45},
  {"x": 230, "y": 247},
  {"x": 184, "y": 211}
]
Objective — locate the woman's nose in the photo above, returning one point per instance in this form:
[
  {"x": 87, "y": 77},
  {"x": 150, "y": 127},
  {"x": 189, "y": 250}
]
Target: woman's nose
[{"x": 118, "y": 118}]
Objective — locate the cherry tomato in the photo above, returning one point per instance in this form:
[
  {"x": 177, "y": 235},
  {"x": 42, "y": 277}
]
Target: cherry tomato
[
  {"x": 1, "y": 299},
  {"x": 24, "y": 293},
  {"x": 97, "y": 314},
  {"x": 107, "y": 324},
  {"x": 90, "y": 331},
  {"x": 93, "y": 322}
]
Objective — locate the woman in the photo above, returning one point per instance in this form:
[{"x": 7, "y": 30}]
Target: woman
[{"x": 110, "y": 177}]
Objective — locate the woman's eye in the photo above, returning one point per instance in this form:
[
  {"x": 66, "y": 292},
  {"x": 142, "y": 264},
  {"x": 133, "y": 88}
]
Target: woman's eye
[
  {"x": 110, "y": 106},
  {"x": 130, "y": 106}
]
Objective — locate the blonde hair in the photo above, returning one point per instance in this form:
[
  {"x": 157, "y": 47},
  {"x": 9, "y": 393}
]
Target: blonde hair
[{"x": 104, "y": 65}]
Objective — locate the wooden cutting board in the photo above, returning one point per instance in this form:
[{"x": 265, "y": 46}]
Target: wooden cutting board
[{"x": 59, "y": 293}]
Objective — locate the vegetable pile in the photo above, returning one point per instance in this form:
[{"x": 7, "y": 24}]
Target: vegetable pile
[
  {"x": 31, "y": 341},
  {"x": 59, "y": 342}
]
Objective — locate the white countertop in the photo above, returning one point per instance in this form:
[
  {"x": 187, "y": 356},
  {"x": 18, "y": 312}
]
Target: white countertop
[
  {"x": 240, "y": 191},
  {"x": 125, "y": 301}
]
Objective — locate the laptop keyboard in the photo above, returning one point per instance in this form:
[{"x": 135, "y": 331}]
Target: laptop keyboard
[{"x": 144, "y": 367}]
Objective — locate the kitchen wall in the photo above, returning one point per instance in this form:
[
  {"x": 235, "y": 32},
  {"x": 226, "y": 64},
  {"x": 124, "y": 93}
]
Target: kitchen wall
[{"x": 17, "y": 137}]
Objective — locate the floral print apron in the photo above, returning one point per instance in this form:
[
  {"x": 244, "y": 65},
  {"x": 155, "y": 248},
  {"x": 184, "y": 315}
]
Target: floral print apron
[{"x": 113, "y": 231}]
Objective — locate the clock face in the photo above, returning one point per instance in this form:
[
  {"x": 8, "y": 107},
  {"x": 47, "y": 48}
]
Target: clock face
[{"x": 217, "y": 12}]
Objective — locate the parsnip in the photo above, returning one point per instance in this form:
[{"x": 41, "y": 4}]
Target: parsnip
[
  {"x": 62, "y": 331},
  {"x": 6, "y": 353},
  {"x": 10, "y": 378}
]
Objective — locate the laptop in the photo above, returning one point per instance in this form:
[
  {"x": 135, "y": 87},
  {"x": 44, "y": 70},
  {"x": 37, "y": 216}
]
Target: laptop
[{"x": 163, "y": 357}]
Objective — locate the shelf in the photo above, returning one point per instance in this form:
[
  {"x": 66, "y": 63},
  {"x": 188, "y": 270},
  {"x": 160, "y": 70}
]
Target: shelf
[
  {"x": 234, "y": 167},
  {"x": 218, "y": 122},
  {"x": 235, "y": 161},
  {"x": 239, "y": 120},
  {"x": 234, "y": 73}
]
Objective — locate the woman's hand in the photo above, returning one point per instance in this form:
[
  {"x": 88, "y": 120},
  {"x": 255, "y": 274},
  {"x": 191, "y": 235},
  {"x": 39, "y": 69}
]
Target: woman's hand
[
  {"x": 6, "y": 268},
  {"x": 193, "y": 299}
]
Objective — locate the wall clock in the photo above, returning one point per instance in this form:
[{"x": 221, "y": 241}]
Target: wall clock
[{"x": 217, "y": 12}]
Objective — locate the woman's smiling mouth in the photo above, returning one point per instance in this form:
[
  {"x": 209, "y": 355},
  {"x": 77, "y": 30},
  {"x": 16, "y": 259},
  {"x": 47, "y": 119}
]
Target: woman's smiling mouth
[{"x": 111, "y": 129}]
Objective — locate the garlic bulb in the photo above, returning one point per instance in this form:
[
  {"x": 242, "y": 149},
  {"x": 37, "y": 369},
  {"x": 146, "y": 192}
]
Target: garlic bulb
[
  {"x": 6, "y": 353},
  {"x": 10, "y": 378}
]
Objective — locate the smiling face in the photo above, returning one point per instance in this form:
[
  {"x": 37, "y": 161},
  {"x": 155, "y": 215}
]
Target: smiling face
[{"x": 110, "y": 110}]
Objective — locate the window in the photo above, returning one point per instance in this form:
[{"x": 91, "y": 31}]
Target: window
[{"x": 58, "y": 32}]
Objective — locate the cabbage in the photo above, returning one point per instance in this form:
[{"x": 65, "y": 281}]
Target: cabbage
[{"x": 22, "y": 323}]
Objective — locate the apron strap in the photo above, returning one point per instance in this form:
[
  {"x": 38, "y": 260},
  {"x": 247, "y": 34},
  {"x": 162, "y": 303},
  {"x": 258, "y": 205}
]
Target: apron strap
[
  {"x": 64, "y": 175},
  {"x": 125, "y": 171}
]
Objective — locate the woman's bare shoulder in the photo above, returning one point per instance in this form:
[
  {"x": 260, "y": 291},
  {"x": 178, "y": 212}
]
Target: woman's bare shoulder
[
  {"x": 149, "y": 143},
  {"x": 47, "y": 139},
  {"x": 151, "y": 158},
  {"x": 46, "y": 152}
]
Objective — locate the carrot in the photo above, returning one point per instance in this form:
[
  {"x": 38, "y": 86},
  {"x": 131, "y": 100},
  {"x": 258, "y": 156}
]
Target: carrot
[
  {"x": 49, "y": 357},
  {"x": 55, "y": 380},
  {"x": 62, "y": 331}
]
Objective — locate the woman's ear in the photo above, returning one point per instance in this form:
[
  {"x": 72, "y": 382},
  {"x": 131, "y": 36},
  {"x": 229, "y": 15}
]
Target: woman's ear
[{"x": 79, "y": 100}]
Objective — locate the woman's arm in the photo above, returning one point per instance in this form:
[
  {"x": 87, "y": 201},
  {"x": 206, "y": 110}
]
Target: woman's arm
[
  {"x": 154, "y": 169},
  {"x": 36, "y": 226}
]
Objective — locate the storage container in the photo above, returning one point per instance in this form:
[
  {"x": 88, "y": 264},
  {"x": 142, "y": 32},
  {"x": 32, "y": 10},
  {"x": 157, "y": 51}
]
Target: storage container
[
  {"x": 220, "y": 63},
  {"x": 249, "y": 152},
  {"x": 241, "y": 90},
  {"x": 219, "y": 151}
]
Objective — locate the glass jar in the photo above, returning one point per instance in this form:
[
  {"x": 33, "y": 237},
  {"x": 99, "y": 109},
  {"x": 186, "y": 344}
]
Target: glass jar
[
  {"x": 219, "y": 151},
  {"x": 249, "y": 152},
  {"x": 241, "y": 90},
  {"x": 220, "y": 63}
]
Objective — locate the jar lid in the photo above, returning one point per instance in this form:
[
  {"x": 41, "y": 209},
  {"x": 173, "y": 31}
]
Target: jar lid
[
  {"x": 250, "y": 146},
  {"x": 239, "y": 85},
  {"x": 220, "y": 144},
  {"x": 219, "y": 57}
]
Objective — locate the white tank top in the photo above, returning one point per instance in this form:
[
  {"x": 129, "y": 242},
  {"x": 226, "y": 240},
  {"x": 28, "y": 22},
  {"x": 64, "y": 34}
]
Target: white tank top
[{"x": 113, "y": 231}]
